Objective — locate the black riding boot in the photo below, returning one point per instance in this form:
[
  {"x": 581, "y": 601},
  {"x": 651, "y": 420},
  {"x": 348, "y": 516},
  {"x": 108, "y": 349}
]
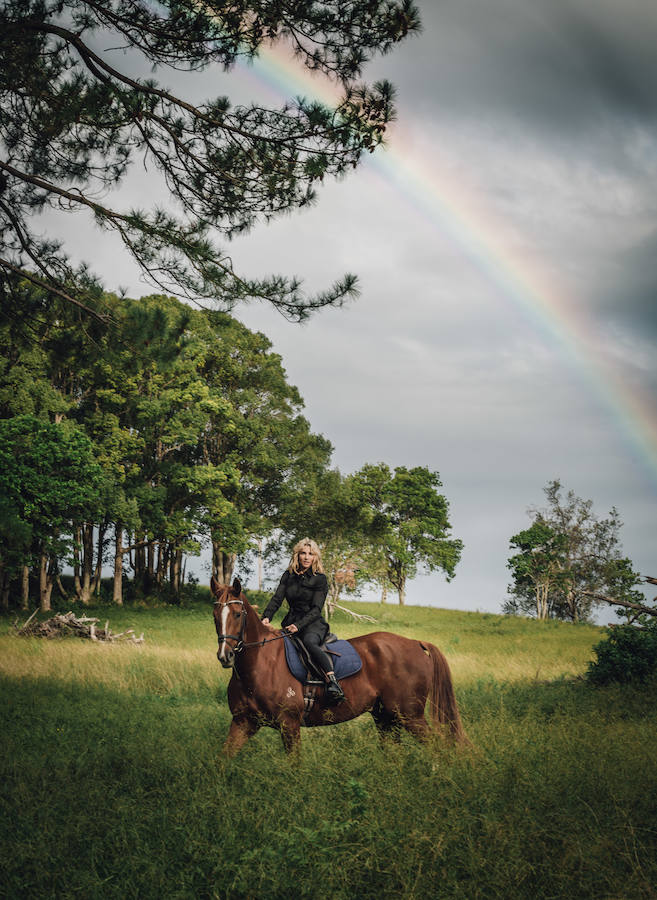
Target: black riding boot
[{"x": 334, "y": 693}]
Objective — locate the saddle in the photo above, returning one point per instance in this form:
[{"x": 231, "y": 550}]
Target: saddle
[{"x": 346, "y": 660}]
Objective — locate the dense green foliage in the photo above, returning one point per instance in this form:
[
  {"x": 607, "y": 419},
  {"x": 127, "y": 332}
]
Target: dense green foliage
[
  {"x": 628, "y": 654},
  {"x": 80, "y": 104},
  {"x": 48, "y": 476},
  {"x": 192, "y": 426},
  {"x": 567, "y": 558},
  {"x": 409, "y": 523},
  {"x": 112, "y": 785},
  {"x": 379, "y": 526}
]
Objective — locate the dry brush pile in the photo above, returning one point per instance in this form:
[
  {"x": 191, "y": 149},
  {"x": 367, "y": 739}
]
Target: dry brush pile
[{"x": 67, "y": 624}]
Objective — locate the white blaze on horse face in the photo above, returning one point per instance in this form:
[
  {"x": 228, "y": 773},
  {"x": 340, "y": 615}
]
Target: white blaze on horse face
[{"x": 223, "y": 620}]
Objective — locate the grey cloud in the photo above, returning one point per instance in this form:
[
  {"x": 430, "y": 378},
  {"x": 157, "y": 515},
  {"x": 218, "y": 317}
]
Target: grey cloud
[
  {"x": 630, "y": 297},
  {"x": 551, "y": 62},
  {"x": 615, "y": 46}
]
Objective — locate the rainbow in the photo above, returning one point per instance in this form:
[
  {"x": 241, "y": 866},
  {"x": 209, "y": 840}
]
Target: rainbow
[{"x": 530, "y": 286}]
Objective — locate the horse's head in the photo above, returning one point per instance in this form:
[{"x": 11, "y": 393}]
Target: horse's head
[{"x": 229, "y": 619}]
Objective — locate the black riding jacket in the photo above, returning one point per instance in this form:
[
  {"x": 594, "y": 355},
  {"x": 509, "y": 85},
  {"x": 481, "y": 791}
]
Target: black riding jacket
[{"x": 305, "y": 595}]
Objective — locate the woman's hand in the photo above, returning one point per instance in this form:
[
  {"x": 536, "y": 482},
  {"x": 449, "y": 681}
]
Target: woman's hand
[
  {"x": 292, "y": 629},
  {"x": 265, "y": 621}
]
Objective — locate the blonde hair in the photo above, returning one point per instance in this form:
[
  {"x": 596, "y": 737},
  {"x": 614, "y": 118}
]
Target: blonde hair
[{"x": 316, "y": 565}]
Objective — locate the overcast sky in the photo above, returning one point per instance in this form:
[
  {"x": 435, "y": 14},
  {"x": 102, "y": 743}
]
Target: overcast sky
[{"x": 506, "y": 247}]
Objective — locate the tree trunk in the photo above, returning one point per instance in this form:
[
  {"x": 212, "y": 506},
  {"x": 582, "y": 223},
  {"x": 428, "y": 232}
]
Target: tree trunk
[
  {"x": 117, "y": 592},
  {"x": 260, "y": 578},
  {"x": 77, "y": 542},
  {"x": 25, "y": 588},
  {"x": 176, "y": 564},
  {"x": 98, "y": 571},
  {"x": 150, "y": 567},
  {"x": 161, "y": 562},
  {"x": 165, "y": 556},
  {"x": 401, "y": 590},
  {"x": 139, "y": 564},
  {"x": 45, "y": 583},
  {"x": 87, "y": 562},
  {"x": 542, "y": 594},
  {"x": 222, "y": 564},
  {"x": 332, "y": 598},
  {"x": 384, "y": 592},
  {"x": 158, "y": 563}
]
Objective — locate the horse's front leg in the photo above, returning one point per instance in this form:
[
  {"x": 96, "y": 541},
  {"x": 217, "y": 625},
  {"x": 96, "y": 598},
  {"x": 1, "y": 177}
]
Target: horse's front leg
[
  {"x": 240, "y": 731},
  {"x": 290, "y": 729}
]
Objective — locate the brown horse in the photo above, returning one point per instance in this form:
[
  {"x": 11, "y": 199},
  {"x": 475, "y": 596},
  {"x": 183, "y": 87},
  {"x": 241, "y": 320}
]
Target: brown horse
[{"x": 397, "y": 676}]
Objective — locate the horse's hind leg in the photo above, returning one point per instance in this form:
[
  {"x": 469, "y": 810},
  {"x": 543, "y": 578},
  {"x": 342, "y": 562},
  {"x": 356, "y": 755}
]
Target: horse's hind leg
[
  {"x": 390, "y": 724},
  {"x": 239, "y": 733},
  {"x": 387, "y": 723},
  {"x": 413, "y": 719},
  {"x": 418, "y": 727}
]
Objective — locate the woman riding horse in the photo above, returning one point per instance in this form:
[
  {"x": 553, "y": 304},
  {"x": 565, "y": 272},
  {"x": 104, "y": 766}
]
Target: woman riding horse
[
  {"x": 398, "y": 676},
  {"x": 305, "y": 587}
]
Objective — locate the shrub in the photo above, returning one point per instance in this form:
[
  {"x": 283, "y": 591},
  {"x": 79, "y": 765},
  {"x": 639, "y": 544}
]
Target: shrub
[{"x": 629, "y": 654}]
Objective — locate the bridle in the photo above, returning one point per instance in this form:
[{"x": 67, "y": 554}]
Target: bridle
[
  {"x": 235, "y": 637},
  {"x": 241, "y": 643}
]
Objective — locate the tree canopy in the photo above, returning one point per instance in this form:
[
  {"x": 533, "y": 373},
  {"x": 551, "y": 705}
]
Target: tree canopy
[
  {"x": 566, "y": 558},
  {"x": 409, "y": 525},
  {"x": 188, "y": 416},
  {"x": 48, "y": 478},
  {"x": 75, "y": 117}
]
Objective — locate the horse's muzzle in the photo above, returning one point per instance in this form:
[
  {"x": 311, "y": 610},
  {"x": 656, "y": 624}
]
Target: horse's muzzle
[{"x": 228, "y": 659}]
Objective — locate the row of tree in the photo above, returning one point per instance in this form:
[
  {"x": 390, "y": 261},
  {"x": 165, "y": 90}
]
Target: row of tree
[{"x": 131, "y": 444}]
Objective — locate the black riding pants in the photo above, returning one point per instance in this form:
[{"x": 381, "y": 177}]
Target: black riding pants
[{"x": 312, "y": 639}]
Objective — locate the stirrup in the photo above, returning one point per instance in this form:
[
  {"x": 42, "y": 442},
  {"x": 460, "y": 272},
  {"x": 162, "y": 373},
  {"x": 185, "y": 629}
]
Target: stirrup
[{"x": 334, "y": 693}]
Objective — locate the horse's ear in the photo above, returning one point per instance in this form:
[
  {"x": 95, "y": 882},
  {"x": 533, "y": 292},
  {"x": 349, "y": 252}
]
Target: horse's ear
[
  {"x": 237, "y": 587},
  {"x": 214, "y": 586}
]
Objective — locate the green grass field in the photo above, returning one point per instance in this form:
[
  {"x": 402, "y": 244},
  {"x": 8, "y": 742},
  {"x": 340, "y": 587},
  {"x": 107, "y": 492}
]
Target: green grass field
[{"x": 113, "y": 785}]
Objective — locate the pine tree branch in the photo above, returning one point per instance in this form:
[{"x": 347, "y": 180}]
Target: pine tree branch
[
  {"x": 52, "y": 282},
  {"x": 71, "y": 118},
  {"x": 53, "y": 289},
  {"x": 94, "y": 63}
]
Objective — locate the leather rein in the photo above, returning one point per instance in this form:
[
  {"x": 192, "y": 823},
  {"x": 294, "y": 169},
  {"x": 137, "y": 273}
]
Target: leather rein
[{"x": 241, "y": 643}]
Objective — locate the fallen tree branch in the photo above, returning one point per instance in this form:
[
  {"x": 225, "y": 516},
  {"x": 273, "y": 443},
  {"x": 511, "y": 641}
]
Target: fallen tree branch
[
  {"x": 625, "y": 603},
  {"x": 62, "y": 625},
  {"x": 359, "y": 617}
]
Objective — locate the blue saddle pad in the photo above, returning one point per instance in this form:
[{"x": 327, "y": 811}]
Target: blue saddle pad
[{"x": 346, "y": 664}]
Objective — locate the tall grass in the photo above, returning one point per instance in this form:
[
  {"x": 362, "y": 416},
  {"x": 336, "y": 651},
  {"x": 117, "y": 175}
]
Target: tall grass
[{"x": 112, "y": 783}]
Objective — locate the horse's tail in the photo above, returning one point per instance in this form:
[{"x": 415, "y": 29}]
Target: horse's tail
[{"x": 442, "y": 701}]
